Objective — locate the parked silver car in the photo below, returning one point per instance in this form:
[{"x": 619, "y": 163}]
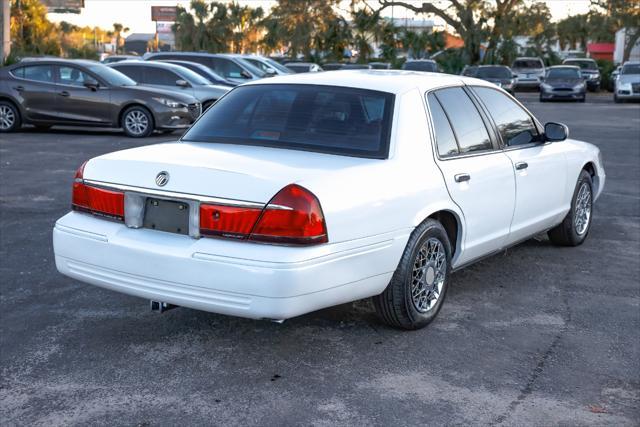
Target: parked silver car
[
  {"x": 172, "y": 77},
  {"x": 530, "y": 72},
  {"x": 627, "y": 85}
]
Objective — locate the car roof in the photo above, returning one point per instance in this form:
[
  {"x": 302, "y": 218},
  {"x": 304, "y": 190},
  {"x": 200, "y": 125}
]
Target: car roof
[
  {"x": 49, "y": 60},
  {"x": 489, "y": 66},
  {"x": 420, "y": 60},
  {"x": 579, "y": 59},
  {"x": 157, "y": 64},
  {"x": 632, "y": 63},
  {"x": 299, "y": 63},
  {"x": 392, "y": 81},
  {"x": 528, "y": 58}
]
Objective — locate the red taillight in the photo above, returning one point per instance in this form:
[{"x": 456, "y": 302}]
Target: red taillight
[
  {"x": 293, "y": 216},
  {"x": 96, "y": 200},
  {"x": 227, "y": 221}
]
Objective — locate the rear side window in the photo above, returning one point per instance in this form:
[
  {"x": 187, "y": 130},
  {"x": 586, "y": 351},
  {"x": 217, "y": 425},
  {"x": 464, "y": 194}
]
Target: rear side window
[
  {"x": 465, "y": 120},
  {"x": 514, "y": 124},
  {"x": 445, "y": 139},
  {"x": 327, "y": 119},
  {"x": 38, "y": 73}
]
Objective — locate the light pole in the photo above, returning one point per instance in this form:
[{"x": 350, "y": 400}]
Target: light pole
[{"x": 5, "y": 34}]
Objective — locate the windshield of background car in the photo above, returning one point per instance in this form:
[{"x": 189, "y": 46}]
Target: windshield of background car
[
  {"x": 493, "y": 73},
  {"x": 419, "y": 66},
  {"x": 326, "y": 119},
  {"x": 563, "y": 73},
  {"x": 630, "y": 69},
  {"x": 193, "y": 77},
  {"x": 527, "y": 63},
  {"x": 585, "y": 65},
  {"x": 111, "y": 76}
]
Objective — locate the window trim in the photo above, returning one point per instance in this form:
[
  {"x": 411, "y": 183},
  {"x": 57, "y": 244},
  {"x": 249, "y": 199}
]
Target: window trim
[
  {"x": 488, "y": 126},
  {"x": 501, "y": 142}
]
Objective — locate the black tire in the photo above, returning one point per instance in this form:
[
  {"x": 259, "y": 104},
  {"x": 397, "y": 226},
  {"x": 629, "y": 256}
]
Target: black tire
[
  {"x": 140, "y": 116},
  {"x": 396, "y": 306},
  {"x": 582, "y": 99},
  {"x": 207, "y": 104},
  {"x": 567, "y": 233},
  {"x": 542, "y": 99},
  {"x": 10, "y": 119},
  {"x": 616, "y": 99}
]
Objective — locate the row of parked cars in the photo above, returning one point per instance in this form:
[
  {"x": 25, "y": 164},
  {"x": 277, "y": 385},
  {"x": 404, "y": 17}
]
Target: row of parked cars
[{"x": 166, "y": 91}]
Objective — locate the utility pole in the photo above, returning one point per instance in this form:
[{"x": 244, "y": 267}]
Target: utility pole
[{"x": 5, "y": 34}]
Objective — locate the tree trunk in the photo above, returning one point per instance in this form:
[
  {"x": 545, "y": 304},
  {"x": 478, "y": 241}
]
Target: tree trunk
[{"x": 630, "y": 43}]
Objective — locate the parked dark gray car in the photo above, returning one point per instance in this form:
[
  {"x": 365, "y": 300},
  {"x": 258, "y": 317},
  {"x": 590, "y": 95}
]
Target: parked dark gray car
[
  {"x": 53, "y": 92},
  {"x": 499, "y": 75},
  {"x": 175, "y": 78},
  {"x": 231, "y": 67},
  {"x": 588, "y": 69},
  {"x": 563, "y": 82}
]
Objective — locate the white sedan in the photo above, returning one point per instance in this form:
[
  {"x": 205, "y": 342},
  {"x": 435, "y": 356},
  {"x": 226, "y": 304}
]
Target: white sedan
[{"x": 300, "y": 192}]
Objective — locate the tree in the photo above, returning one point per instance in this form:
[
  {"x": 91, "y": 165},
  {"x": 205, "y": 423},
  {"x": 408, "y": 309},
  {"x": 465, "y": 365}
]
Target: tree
[
  {"x": 367, "y": 28},
  {"x": 31, "y": 31},
  {"x": 463, "y": 15},
  {"x": 245, "y": 27},
  {"x": 299, "y": 25},
  {"x": 118, "y": 29}
]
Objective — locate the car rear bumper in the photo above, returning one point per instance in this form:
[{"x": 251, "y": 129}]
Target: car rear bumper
[
  {"x": 228, "y": 277},
  {"x": 529, "y": 83}
]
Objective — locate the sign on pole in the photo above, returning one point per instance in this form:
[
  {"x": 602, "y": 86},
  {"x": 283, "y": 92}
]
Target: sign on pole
[{"x": 164, "y": 13}]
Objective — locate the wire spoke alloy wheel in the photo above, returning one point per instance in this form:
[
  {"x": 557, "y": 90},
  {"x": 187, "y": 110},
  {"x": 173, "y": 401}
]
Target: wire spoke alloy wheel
[
  {"x": 136, "y": 122},
  {"x": 7, "y": 117},
  {"x": 429, "y": 274},
  {"x": 583, "y": 207}
]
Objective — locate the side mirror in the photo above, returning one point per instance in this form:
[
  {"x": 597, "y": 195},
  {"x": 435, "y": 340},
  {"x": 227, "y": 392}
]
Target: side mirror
[
  {"x": 182, "y": 83},
  {"x": 91, "y": 83},
  {"x": 270, "y": 72},
  {"x": 555, "y": 132},
  {"x": 245, "y": 74}
]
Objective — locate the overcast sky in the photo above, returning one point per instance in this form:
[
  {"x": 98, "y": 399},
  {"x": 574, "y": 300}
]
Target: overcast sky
[{"x": 136, "y": 14}]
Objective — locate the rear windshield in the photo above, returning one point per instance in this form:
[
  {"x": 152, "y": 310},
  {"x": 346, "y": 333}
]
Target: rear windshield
[
  {"x": 528, "y": 63},
  {"x": 326, "y": 119},
  {"x": 583, "y": 64},
  {"x": 493, "y": 73},
  {"x": 419, "y": 66},
  {"x": 563, "y": 73}
]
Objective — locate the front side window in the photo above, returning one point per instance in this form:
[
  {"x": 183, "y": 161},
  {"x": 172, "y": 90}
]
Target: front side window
[
  {"x": 327, "y": 119},
  {"x": 227, "y": 68},
  {"x": 158, "y": 76},
  {"x": 72, "y": 76},
  {"x": 514, "y": 124},
  {"x": 467, "y": 124},
  {"x": 131, "y": 71},
  {"x": 38, "y": 73}
]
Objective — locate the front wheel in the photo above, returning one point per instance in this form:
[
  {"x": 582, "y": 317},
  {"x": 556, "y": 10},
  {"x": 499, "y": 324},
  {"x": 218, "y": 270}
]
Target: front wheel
[
  {"x": 576, "y": 225},
  {"x": 418, "y": 287},
  {"x": 137, "y": 122}
]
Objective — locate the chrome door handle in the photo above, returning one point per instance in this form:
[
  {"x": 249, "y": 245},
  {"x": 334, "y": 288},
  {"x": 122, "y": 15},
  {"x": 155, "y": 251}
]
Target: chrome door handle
[
  {"x": 462, "y": 177},
  {"x": 64, "y": 93},
  {"x": 521, "y": 165},
  {"x": 19, "y": 88}
]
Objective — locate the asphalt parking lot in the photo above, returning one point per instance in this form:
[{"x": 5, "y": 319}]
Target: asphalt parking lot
[{"x": 537, "y": 335}]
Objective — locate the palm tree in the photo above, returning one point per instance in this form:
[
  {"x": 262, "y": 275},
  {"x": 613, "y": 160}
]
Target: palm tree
[{"x": 118, "y": 29}]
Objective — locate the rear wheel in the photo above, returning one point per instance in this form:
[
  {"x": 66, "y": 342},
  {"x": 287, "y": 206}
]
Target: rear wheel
[
  {"x": 576, "y": 225},
  {"x": 9, "y": 117},
  {"x": 418, "y": 287},
  {"x": 137, "y": 122}
]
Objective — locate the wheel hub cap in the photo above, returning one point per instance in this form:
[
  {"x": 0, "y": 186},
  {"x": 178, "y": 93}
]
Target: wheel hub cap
[
  {"x": 7, "y": 117},
  {"x": 582, "y": 209},
  {"x": 136, "y": 122},
  {"x": 429, "y": 274}
]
